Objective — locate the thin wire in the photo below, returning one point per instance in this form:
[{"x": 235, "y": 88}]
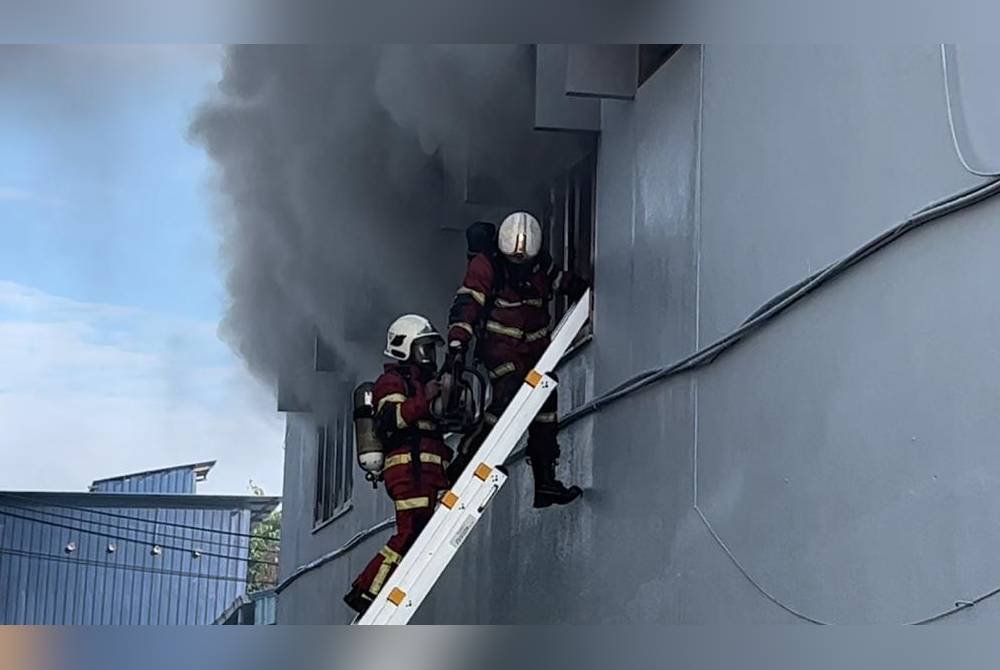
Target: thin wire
[
  {"x": 135, "y": 518},
  {"x": 739, "y": 566},
  {"x": 951, "y": 120},
  {"x": 119, "y": 538},
  {"x": 8, "y": 551},
  {"x": 105, "y": 524}
]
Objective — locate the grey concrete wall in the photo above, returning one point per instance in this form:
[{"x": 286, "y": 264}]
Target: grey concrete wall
[{"x": 846, "y": 453}]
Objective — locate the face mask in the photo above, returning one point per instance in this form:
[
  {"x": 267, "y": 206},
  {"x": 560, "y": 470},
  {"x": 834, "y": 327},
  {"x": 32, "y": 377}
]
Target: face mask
[{"x": 425, "y": 354}]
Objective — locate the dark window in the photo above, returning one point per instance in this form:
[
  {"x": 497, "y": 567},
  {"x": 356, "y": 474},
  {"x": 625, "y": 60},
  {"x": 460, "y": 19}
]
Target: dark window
[
  {"x": 570, "y": 220},
  {"x": 334, "y": 468}
]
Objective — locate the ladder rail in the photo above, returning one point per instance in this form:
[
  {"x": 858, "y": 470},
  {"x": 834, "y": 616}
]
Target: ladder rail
[
  {"x": 434, "y": 548},
  {"x": 464, "y": 504}
]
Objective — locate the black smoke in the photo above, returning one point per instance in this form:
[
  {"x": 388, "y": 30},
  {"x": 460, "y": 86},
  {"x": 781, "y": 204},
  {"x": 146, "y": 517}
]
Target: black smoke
[{"x": 339, "y": 168}]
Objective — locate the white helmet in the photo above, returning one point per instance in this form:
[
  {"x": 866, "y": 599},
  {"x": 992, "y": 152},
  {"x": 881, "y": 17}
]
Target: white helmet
[
  {"x": 408, "y": 330},
  {"x": 520, "y": 237}
]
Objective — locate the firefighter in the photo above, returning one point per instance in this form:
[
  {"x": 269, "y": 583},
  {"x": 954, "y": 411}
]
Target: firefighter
[
  {"x": 503, "y": 303},
  {"x": 415, "y": 453}
]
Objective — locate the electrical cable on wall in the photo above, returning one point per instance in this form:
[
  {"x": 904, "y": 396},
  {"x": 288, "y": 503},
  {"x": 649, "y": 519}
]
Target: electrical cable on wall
[
  {"x": 759, "y": 318},
  {"x": 786, "y": 299},
  {"x": 771, "y": 309}
]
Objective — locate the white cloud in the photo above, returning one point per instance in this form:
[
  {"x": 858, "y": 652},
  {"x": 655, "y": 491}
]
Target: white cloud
[{"x": 90, "y": 390}]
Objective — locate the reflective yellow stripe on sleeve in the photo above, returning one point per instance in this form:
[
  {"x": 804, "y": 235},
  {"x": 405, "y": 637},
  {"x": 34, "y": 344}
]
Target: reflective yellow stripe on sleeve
[
  {"x": 478, "y": 296},
  {"x": 464, "y": 326},
  {"x": 509, "y": 304},
  {"x": 500, "y": 329},
  {"x": 392, "y": 397},
  {"x": 400, "y": 422},
  {"x": 501, "y": 370},
  {"x": 537, "y": 335}
]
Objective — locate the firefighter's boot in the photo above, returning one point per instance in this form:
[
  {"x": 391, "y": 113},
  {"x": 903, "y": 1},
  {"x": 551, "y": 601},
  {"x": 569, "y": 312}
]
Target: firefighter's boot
[
  {"x": 548, "y": 489},
  {"x": 358, "y": 600}
]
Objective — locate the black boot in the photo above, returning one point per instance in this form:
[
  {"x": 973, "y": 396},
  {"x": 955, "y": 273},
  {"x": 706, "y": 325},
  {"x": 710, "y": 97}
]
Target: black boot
[
  {"x": 357, "y": 600},
  {"x": 548, "y": 489}
]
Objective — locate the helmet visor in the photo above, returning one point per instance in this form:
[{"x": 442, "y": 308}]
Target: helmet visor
[{"x": 424, "y": 351}]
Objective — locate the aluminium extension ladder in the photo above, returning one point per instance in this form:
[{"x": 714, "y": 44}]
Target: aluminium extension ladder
[{"x": 463, "y": 505}]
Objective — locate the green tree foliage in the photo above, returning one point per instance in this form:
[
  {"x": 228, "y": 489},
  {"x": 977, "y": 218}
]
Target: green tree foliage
[{"x": 262, "y": 576}]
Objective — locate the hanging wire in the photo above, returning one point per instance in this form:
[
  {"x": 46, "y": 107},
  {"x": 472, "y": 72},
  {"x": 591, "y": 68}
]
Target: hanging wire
[
  {"x": 951, "y": 120},
  {"x": 155, "y": 533},
  {"x": 21, "y": 553},
  {"x": 120, "y": 538},
  {"x": 128, "y": 517}
]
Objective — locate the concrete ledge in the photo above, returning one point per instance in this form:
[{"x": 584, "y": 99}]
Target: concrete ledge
[
  {"x": 602, "y": 71},
  {"x": 554, "y": 110}
]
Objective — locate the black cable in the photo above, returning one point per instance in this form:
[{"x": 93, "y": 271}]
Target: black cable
[
  {"x": 135, "y": 518},
  {"x": 137, "y": 541},
  {"x": 120, "y": 566},
  {"x": 769, "y": 310},
  {"x": 105, "y": 524},
  {"x": 786, "y": 299},
  {"x": 358, "y": 538}
]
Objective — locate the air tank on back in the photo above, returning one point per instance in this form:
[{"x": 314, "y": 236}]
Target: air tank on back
[{"x": 371, "y": 457}]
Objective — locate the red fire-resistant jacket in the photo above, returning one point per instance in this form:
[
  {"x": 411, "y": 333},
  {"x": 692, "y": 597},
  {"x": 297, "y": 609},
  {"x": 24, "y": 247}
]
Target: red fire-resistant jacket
[
  {"x": 406, "y": 428},
  {"x": 507, "y": 305}
]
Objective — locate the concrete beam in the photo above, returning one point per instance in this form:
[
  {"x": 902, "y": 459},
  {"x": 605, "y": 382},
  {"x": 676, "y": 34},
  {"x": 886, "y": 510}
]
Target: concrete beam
[
  {"x": 602, "y": 71},
  {"x": 288, "y": 400},
  {"x": 554, "y": 110}
]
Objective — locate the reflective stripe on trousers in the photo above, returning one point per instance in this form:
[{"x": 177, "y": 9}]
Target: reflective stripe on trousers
[
  {"x": 413, "y": 503},
  {"x": 405, "y": 459}
]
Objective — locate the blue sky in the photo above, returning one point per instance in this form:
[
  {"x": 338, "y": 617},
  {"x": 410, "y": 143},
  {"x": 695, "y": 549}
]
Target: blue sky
[{"x": 110, "y": 281}]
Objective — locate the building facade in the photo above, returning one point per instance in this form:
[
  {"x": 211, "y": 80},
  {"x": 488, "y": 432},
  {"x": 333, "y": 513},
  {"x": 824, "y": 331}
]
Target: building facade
[
  {"x": 136, "y": 549},
  {"x": 836, "y": 466}
]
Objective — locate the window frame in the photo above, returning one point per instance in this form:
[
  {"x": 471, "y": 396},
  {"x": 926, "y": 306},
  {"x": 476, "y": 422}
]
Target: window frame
[
  {"x": 572, "y": 202},
  {"x": 334, "y": 486}
]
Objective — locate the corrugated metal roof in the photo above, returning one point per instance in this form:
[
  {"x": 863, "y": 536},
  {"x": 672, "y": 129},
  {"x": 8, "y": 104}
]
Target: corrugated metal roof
[
  {"x": 88, "y": 558},
  {"x": 176, "y": 479}
]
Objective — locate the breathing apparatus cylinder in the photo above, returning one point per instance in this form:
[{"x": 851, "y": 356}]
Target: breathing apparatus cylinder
[{"x": 371, "y": 456}]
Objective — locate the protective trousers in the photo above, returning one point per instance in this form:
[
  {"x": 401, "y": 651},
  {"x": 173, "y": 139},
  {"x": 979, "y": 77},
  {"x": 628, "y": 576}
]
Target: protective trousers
[
  {"x": 414, "y": 507},
  {"x": 506, "y": 378}
]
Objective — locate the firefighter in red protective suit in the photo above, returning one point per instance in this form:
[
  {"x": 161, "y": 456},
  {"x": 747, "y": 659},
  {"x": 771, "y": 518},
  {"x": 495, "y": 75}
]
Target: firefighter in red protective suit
[
  {"x": 503, "y": 302},
  {"x": 415, "y": 454}
]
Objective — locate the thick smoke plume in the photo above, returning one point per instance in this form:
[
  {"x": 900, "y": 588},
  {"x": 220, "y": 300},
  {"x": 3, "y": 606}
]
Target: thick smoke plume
[{"x": 340, "y": 166}]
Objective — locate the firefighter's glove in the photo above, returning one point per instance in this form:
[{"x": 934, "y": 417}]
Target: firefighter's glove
[{"x": 456, "y": 354}]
